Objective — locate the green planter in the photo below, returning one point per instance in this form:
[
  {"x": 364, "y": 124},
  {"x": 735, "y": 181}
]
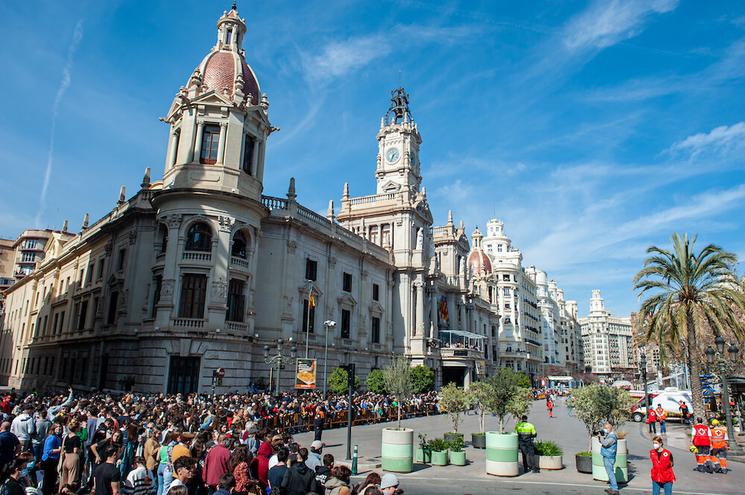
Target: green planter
[
  {"x": 397, "y": 450},
  {"x": 439, "y": 458},
  {"x": 458, "y": 458},
  {"x": 501, "y": 453},
  {"x": 423, "y": 456},
  {"x": 620, "y": 467}
]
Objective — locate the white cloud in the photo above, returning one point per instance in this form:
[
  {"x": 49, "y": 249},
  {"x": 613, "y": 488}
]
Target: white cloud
[
  {"x": 721, "y": 139},
  {"x": 606, "y": 23}
]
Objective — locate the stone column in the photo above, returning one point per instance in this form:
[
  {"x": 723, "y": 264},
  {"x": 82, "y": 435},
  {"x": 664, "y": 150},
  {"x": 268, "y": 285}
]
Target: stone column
[
  {"x": 221, "y": 142},
  {"x": 433, "y": 330},
  {"x": 462, "y": 310},
  {"x": 166, "y": 304},
  {"x": 198, "y": 142},
  {"x": 419, "y": 329},
  {"x": 173, "y": 149}
]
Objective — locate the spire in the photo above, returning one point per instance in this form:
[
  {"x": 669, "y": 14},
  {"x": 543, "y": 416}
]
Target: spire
[
  {"x": 146, "y": 179},
  {"x": 122, "y": 195},
  {"x": 450, "y": 217},
  {"x": 330, "y": 212},
  {"x": 345, "y": 195},
  {"x": 291, "y": 194},
  {"x": 86, "y": 219},
  {"x": 65, "y": 225}
]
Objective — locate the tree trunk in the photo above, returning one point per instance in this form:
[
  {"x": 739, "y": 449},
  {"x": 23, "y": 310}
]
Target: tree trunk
[
  {"x": 697, "y": 393},
  {"x": 483, "y": 421},
  {"x": 501, "y": 424},
  {"x": 399, "y": 415}
]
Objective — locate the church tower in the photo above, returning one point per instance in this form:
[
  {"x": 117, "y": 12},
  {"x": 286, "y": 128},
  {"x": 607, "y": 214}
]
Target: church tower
[{"x": 398, "y": 148}]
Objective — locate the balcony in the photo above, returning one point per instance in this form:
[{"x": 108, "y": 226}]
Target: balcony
[
  {"x": 188, "y": 322},
  {"x": 236, "y": 326},
  {"x": 203, "y": 256},
  {"x": 461, "y": 353},
  {"x": 239, "y": 263}
]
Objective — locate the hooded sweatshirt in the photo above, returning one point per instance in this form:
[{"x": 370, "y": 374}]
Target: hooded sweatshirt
[
  {"x": 262, "y": 457},
  {"x": 335, "y": 486}
]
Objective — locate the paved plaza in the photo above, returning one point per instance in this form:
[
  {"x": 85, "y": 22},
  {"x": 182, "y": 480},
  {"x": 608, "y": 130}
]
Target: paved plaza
[{"x": 567, "y": 431}]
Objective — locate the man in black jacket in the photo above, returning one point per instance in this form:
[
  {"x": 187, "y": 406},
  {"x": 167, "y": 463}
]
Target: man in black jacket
[
  {"x": 323, "y": 473},
  {"x": 299, "y": 479}
]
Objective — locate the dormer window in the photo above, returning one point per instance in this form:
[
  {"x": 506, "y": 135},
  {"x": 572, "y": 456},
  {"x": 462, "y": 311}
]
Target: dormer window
[
  {"x": 248, "y": 154},
  {"x": 229, "y": 37},
  {"x": 210, "y": 141}
]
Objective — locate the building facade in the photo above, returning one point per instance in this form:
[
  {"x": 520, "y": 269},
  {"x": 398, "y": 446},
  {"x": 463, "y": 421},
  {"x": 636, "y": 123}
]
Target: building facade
[
  {"x": 200, "y": 271},
  {"x": 607, "y": 341}
]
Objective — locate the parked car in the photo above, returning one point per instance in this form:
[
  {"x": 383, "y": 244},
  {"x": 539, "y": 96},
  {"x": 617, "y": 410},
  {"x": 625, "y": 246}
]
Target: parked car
[{"x": 669, "y": 399}]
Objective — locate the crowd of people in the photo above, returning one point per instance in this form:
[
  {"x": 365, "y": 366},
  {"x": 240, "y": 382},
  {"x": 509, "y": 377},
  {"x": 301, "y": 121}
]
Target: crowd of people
[{"x": 132, "y": 444}]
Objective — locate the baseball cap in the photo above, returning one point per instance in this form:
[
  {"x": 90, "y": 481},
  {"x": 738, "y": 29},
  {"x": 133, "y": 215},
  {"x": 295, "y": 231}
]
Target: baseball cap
[
  {"x": 316, "y": 445},
  {"x": 388, "y": 480}
]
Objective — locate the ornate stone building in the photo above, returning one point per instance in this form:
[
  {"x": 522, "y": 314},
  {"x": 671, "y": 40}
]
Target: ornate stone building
[
  {"x": 199, "y": 270},
  {"x": 607, "y": 341}
]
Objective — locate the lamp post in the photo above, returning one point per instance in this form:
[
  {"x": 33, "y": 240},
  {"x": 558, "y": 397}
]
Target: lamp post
[
  {"x": 643, "y": 373},
  {"x": 279, "y": 359},
  {"x": 717, "y": 356},
  {"x": 311, "y": 300},
  {"x": 327, "y": 324}
]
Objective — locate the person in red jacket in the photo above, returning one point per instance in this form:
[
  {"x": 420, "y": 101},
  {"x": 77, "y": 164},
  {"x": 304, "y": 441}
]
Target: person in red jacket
[
  {"x": 662, "y": 468},
  {"x": 652, "y": 420},
  {"x": 550, "y": 407}
]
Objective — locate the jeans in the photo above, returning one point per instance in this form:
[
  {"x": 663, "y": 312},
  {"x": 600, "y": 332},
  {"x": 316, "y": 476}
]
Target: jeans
[
  {"x": 161, "y": 469},
  {"x": 608, "y": 462},
  {"x": 663, "y": 426},
  {"x": 667, "y": 487}
]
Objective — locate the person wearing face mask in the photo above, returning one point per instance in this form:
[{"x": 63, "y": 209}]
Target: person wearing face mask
[
  {"x": 609, "y": 447},
  {"x": 662, "y": 468}
]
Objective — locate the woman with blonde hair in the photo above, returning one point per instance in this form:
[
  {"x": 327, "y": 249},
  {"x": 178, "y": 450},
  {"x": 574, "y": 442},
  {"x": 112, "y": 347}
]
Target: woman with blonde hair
[{"x": 70, "y": 465}]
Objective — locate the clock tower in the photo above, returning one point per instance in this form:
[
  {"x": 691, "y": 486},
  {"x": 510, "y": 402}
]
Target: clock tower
[{"x": 398, "y": 167}]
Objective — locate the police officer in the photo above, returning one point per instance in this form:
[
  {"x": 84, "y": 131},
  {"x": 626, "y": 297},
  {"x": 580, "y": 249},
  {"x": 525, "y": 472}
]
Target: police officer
[{"x": 525, "y": 435}]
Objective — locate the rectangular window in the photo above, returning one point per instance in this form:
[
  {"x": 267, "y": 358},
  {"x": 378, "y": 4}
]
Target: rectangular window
[
  {"x": 376, "y": 292},
  {"x": 88, "y": 275},
  {"x": 506, "y": 277},
  {"x": 347, "y": 282},
  {"x": 120, "y": 261},
  {"x": 193, "y": 294},
  {"x": 113, "y": 301},
  {"x": 375, "y": 334},
  {"x": 249, "y": 144},
  {"x": 210, "y": 140},
  {"x": 346, "y": 323},
  {"x": 56, "y": 322},
  {"x": 82, "y": 314},
  {"x": 306, "y": 321},
  {"x": 236, "y": 300},
  {"x": 156, "y": 295},
  {"x": 61, "y": 321},
  {"x": 99, "y": 269},
  {"x": 311, "y": 269},
  {"x": 44, "y": 327},
  {"x": 95, "y": 308}
]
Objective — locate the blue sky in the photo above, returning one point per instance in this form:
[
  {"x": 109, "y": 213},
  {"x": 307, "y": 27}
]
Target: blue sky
[{"x": 593, "y": 129}]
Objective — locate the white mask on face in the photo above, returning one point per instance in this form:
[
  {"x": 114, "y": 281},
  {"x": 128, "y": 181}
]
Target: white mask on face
[{"x": 656, "y": 446}]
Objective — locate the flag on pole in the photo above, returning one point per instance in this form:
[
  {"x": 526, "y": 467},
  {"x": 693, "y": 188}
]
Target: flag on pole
[{"x": 312, "y": 299}]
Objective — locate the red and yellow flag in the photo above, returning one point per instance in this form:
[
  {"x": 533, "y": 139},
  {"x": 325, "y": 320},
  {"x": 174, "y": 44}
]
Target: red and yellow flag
[{"x": 312, "y": 299}]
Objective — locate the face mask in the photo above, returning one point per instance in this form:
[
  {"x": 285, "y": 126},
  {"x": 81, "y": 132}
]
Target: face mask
[{"x": 656, "y": 446}]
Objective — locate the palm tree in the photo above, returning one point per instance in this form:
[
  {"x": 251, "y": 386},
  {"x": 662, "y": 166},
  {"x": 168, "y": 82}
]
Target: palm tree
[{"x": 689, "y": 295}]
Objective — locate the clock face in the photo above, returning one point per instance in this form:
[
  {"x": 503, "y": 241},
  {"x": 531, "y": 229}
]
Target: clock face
[{"x": 392, "y": 155}]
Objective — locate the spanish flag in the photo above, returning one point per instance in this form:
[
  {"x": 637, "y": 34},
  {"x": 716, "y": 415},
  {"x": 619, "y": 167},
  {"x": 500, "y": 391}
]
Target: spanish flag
[{"x": 312, "y": 299}]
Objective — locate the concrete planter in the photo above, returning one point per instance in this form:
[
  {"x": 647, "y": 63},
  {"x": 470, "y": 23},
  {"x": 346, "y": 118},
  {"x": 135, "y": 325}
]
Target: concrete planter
[
  {"x": 397, "y": 451},
  {"x": 584, "y": 463},
  {"x": 550, "y": 462},
  {"x": 620, "y": 467},
  {"x": 439, "y": 458},
  {"x": 457, "y": 458},
  {"x": 501, "y": 453},
  {"x": 478, "y": 440},
  {"x": 423, "y": 456}
]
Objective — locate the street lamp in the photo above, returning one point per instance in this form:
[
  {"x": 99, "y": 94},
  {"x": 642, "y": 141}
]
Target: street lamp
[
  {"x": 717, "y": 357},
  {"x": 327, "y": 324},
  {"x": 643, "y": 373},
  {"x": 279, "y": 359}
]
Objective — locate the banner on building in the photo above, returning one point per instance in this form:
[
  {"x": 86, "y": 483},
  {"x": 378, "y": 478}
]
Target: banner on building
[
  {"x": 305, "y": 375},
  {"x": 442, "y": 313}
]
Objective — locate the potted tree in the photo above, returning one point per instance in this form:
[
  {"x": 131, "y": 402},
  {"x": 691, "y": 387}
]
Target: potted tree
[
  {"x": 482, "y": 394},
  {"x": 455, "y": 401},
  {"x": 509, "y": 398},
  {"x": 423, "y": 452},
  {"x": 549, "y": 455},
  {"x": 398, "y": 443},
  {"x": 439, "y": 448},
  {"x": 456, "y": 454},
  {"x": 594, "y": 405}
]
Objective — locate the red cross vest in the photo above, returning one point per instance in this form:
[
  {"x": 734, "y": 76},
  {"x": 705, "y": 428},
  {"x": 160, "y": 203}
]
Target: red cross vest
[
  {"x": 662, "y": 467},
  {"x": 701, "y": 435}
]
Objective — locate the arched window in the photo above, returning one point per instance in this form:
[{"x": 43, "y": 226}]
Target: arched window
[
  {"x": 199, "y": 238},
  {"x": 239, "y": 245},
  {"x": 163, "y": 238}
]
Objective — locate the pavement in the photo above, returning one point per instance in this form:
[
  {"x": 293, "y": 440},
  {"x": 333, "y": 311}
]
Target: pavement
[{"x": 566, "y": 431}]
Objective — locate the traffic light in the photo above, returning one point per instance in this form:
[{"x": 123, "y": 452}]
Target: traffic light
[{"x": 350, "y": 375}]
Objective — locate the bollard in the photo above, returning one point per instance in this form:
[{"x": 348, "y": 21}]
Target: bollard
[{"x": 354, "y": 461}]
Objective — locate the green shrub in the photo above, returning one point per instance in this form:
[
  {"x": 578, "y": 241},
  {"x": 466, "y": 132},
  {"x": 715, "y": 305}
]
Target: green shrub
[
  {"x": 338, "y": 381},
  {"x": 422, "y": 378},
  {"x": 584, "y": 454},
  {"x": 438, "y": 445},
  {"x": 456, "y": 444},
  {"x": 375, "y": 382},
  {"x": 548, "y": 449},
  {"x": 455, "y": 401}
]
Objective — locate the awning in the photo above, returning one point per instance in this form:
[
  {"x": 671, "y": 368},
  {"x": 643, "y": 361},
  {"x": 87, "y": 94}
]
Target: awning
[
  {"x": 560, "y": 378},
  {"x": 461, "y": 333}
]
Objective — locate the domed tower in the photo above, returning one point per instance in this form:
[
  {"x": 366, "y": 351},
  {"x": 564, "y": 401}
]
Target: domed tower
[
  {"x": 209, "y": 207},
  {"x": 219, "y": 121}
]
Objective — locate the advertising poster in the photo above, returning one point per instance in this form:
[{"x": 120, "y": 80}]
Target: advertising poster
[{"x": 305, "y": 375}]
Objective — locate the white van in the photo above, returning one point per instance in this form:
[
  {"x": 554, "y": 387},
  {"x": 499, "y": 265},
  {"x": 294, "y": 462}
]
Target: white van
[{"x": 669, "y": 399}]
